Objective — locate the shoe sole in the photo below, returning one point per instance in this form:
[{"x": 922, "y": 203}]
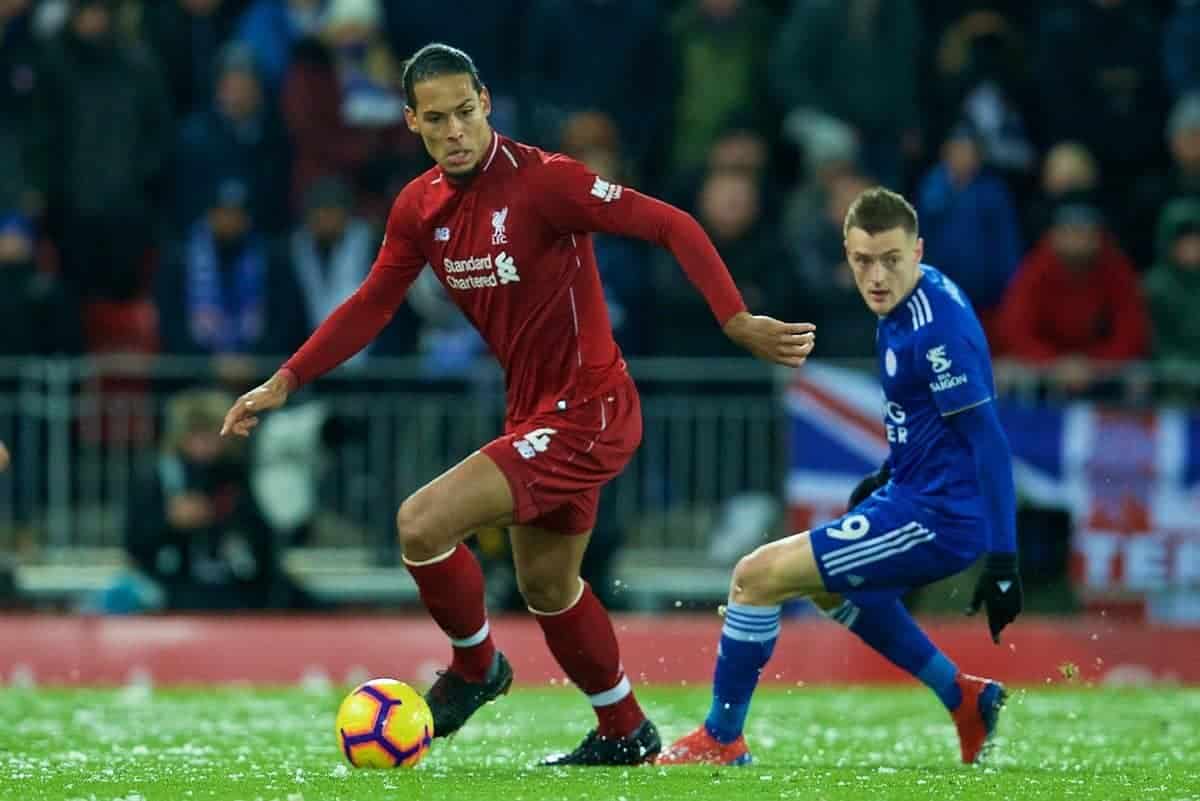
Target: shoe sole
[{"x": 989, "y": 743}]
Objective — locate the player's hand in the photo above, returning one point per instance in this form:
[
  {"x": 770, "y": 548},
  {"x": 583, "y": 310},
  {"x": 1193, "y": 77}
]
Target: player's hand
[
  {"x": 772, "y": 340},
  {"x": 869, "y": 484},
  {"x": 243, "y": 416},
  {"x": 999, "y": 588}
]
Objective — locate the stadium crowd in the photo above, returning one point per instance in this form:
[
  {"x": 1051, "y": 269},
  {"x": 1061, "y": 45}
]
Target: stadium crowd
[{"x": 208, "y": 177}]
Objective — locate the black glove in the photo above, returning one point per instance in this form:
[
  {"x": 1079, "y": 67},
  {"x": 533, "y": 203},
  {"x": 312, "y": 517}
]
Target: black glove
[
  {"x": 869, "y": 484},
  {"x": 1000, "y": 588}
]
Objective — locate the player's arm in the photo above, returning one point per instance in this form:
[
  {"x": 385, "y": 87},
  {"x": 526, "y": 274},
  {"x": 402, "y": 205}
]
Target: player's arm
[
  {"x": 349, "y": 329},
  {"x": 572, "y": 199},
  {"x": 999, "y": 586},
  {"x": 957, "y": 374}
]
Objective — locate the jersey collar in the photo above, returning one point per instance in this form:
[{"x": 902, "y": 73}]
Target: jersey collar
[
  {"x": 492, "y": 152},
  {"x": 463, "y": 183},
  {"x": 894, "y": 314}
]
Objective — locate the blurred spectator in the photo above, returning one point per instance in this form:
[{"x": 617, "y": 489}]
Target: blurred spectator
[
  {"x": 982, "y": 77},
  {"x": 1067, "y": 168},
  {"x": 822, "y": 290},
  {"x": 737, "y": 146},
  {"x": 37, "y": 317},
  {"x": 344, "y": 107},
  {"x": 241, "y": 134},
  {"x": 186, "y": 37},
  {"x": 593, "y": 138},
  {"x": 1182, "y": 179},
  {"x": 1173, "y": 285},
  {"x": 855, "y": 60},
  {"x": 968, "y": 221},
  {"x": 331, "y": 253},
  {"x": 273, "y": 27},
  {"x": 1181, "y": 49},
  {"x": 22, "y": 175},
  {"x": 106, "y": 138},
  {"x": 603, "y": 56},
  {"x": 491, "y": 34},
  {"x": 194, "y": 528},
  {"x": 228, "y": 293},
  {"x": 1075, "y": 300},
  {"x": 830, "y": 151},
  {"x": 722, "y": 69},
  {"x": 1097, "y": 66},
  {"x": 730, "y": 209}
]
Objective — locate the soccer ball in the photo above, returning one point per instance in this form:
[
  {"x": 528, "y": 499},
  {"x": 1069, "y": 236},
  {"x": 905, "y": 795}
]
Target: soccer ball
[{"x": 384, "y": 723}]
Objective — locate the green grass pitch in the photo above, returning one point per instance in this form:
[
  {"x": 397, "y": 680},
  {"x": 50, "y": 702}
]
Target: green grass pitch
[{"x": 821, "y": 744}]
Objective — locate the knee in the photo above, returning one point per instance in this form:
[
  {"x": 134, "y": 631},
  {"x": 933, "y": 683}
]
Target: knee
[
  {"x": 420, "y": 537},
  {"x": 547, "y": 592},
  {"x": 752, "y": 580}
]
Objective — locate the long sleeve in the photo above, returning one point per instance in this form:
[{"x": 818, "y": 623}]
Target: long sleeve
[
  {"x": 363, "y": 315},
  {"x": 1019, "y": 316},
  {"x": 575, "y": 200},
  {"x": 1129, "y": 333},
  {"x": 1004, "y": 235},
  {"x": 980, "y": 427}
]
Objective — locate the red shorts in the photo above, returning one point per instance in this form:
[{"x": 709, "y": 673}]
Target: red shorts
[{"x": 557, "y": 462}]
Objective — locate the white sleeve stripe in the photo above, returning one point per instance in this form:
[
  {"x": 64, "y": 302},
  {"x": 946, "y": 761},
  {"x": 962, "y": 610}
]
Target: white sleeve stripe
[
  {"x": 968, "y": 406},
  {"x": 925, "y": 304}
]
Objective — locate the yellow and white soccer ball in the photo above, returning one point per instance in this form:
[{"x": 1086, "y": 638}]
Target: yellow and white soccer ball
[{"x": 384, "y": 723}]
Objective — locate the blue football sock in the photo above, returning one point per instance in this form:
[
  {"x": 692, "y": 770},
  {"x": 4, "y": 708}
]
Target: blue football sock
[
  {"x": 886, "y": 626},
  {"x": 747, "y": 640}
]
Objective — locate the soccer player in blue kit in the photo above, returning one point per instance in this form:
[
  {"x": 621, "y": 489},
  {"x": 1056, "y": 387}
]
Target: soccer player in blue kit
[{"x": 943, "y": 497}]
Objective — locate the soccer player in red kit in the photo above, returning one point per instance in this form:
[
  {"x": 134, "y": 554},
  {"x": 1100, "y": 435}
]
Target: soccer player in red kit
[{"x": 505, "y": 227}]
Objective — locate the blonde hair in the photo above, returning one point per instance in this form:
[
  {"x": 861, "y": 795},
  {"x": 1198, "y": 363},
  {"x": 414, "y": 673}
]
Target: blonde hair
[
  {"x": 193, "y": 410},
  {"x": 1072, "y": 164}
]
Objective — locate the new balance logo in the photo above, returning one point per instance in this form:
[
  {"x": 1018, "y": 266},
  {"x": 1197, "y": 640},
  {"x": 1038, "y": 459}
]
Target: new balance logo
[
  {"x": 937, "y": 359},
  {"x": 919, "y": 308},
  {"x": 606, "y": 190},
  {"x": 865, "y": 552},
  {"x": 441, "y": 234}
]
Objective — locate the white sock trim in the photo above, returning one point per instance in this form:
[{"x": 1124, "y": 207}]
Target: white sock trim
[
  {"x": 474, "y": 639},
  {"x": 569, "y": 606},
  {"x": 751, "y": 636},
  {"x": 610, "y": 697},
  {"x": 442, "y": 557}
]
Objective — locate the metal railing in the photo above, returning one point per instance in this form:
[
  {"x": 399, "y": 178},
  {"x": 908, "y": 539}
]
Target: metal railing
[{"x": 82, "y": 431}]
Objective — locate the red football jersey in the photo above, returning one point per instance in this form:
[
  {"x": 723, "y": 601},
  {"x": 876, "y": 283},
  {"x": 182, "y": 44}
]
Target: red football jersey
[{"x": 513, "y": 248}]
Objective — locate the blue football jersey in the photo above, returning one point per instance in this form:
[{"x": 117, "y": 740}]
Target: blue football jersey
[{"x": 933, "y": 362}]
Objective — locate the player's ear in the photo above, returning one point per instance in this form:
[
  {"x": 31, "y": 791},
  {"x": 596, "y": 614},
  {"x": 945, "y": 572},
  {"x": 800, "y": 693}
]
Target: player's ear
[
  {"x": 410, "y": 118},
  {"x": 485, "y": 101},
  {"x": 919, "y": 250}
]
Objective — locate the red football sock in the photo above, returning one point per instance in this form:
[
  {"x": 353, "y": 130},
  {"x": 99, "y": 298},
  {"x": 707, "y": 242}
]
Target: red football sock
[
  {"x": 581, "y": 638},
  {"x": 451, "y": 588}
]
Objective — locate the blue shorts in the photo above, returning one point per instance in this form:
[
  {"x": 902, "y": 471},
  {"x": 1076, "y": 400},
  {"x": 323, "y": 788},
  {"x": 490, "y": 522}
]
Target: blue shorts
[{"x": 888, "y": 542}]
